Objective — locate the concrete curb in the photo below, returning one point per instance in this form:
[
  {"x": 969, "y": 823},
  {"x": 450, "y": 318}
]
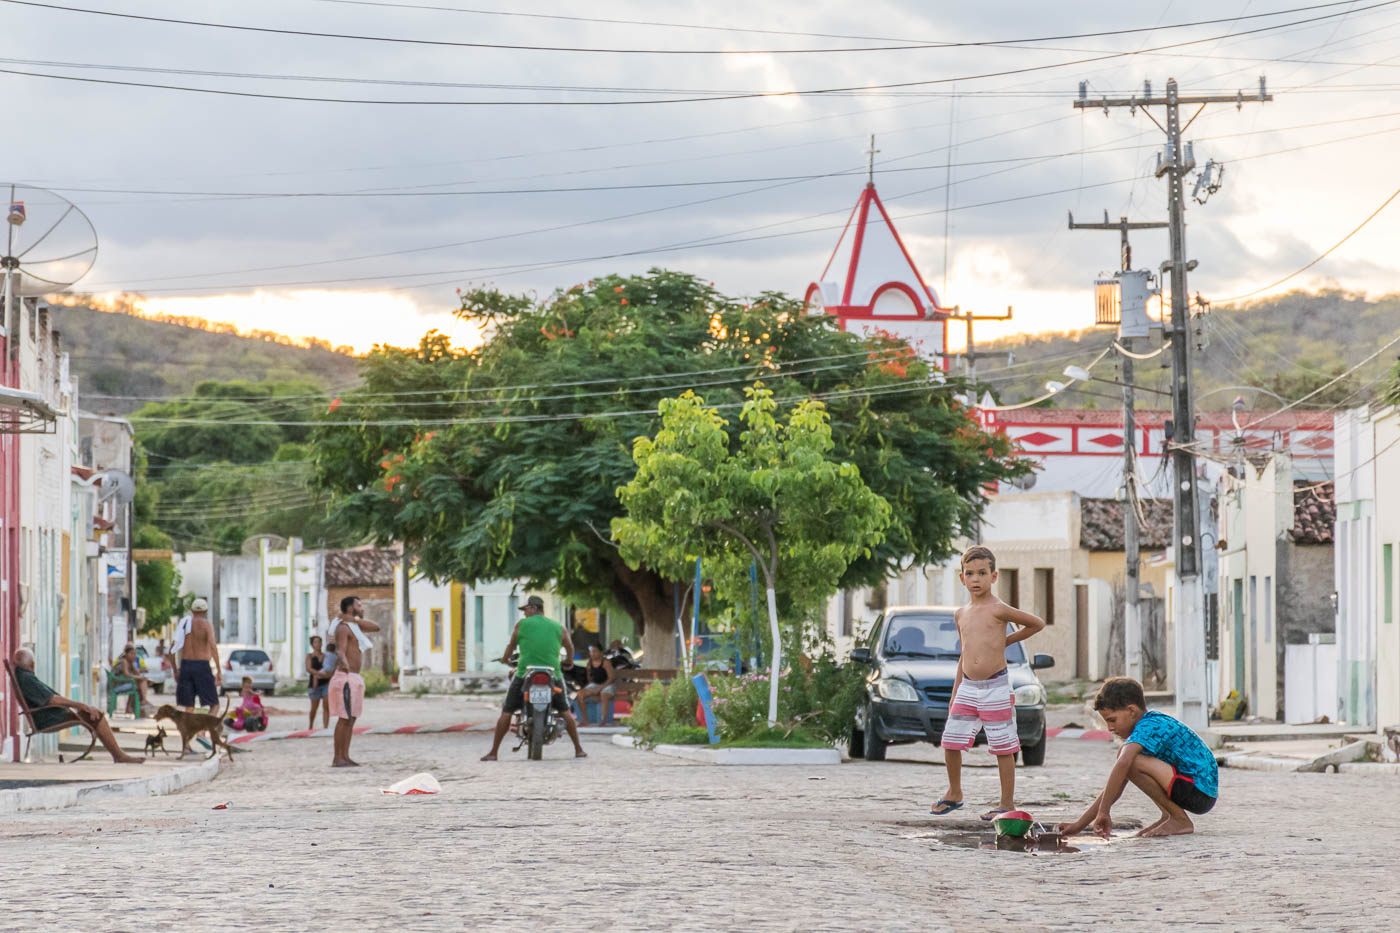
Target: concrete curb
[
  {"x": 245, "y": 738},
  {"x": 1370, "y": 768},
  {"x": 1094, "y": 735},
  {"x": 57, "y": 797},
  {"x": 1245, "y": 761},
  {"x": 812, "y": 757}
]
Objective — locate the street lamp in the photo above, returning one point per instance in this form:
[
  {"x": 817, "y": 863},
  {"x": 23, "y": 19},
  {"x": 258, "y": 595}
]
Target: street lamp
[{"x": 1082, "y": 375}]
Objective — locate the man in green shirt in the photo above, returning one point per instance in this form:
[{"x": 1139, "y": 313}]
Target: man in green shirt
[{"x": 539, "y": 639}]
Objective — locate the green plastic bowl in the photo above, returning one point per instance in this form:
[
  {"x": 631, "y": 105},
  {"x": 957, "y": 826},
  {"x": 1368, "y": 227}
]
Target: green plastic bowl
[{"x": 1013, "y": 823}]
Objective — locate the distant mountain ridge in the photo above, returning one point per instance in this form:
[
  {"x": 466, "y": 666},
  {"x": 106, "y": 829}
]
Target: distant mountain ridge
[
  {"x": 1289, "y": 344},
  {"x": 119, "y": 353}
]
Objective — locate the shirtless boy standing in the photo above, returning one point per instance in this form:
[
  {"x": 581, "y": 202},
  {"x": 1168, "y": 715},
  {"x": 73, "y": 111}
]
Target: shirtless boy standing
[
  {"x": 982, "y": 690},
  {"x": 197, "y": 646},
  {"x": 346, "y": 696}
]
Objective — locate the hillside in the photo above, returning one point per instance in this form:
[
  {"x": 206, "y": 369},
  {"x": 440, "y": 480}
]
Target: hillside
[
  {"x": 118, "y": 353},
  {"x": 1290, "y": 344}
]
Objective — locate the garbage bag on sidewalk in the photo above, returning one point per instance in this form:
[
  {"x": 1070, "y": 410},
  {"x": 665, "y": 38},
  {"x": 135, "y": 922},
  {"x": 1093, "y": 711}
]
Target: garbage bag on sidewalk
[{"x": 421, "y": 783}]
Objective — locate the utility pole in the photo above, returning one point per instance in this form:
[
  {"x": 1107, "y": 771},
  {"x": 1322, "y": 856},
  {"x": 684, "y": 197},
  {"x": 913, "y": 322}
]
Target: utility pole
[
  {"x": 1132, "y": 547},
  {"x": 1177, "y": 160},
  {"x": 970, "y": 354}
]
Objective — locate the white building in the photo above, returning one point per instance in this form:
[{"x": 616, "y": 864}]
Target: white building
[
  {"x": 1367, "y": 565},
  {"x": 452, "y": 628},
  {"x": 871, "y": 283}
]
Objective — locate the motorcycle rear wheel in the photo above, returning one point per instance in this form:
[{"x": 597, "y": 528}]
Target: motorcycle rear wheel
[{"x": 537, "y": 734}]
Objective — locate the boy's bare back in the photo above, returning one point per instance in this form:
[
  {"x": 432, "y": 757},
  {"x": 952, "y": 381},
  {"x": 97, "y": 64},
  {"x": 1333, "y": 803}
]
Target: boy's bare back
[{"x": 982, "y": 628}]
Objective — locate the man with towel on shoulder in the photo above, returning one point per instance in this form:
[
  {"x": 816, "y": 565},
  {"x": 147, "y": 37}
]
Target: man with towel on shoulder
[
  {"x": 195, "y": 643},
  {"x": 347, "y": 688}
]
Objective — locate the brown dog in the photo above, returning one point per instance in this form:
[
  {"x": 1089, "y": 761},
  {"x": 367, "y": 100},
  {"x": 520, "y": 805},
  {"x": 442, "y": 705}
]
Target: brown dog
[{"x": 192, "y": 724}]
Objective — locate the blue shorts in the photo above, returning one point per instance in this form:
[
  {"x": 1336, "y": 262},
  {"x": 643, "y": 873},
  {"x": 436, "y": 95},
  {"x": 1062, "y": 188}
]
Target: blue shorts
[
  {"x": 318, "y": 693},
  {"x": 196, "y": 680}
]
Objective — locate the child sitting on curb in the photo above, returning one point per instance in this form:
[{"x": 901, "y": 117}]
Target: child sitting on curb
[
  {"x": 1161, "y": 755},
  {"x": 250, "y": 715}
]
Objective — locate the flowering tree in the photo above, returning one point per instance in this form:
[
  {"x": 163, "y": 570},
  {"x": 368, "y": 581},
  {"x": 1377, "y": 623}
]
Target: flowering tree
[
  {"x": 776, "y": 499},
  {"x": 503, "y": 460}
]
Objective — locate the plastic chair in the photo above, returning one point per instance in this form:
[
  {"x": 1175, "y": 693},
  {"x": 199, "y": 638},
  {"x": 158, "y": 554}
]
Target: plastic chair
[{"x": 118, "y": 686}]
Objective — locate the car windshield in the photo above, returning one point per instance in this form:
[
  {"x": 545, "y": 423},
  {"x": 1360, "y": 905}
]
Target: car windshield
[
  {"x": 933, "y": 635},
  {"x": 248, "y": 657}
]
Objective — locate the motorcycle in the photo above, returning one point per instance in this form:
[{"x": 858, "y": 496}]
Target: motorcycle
[{"x": 537, "y": 724}]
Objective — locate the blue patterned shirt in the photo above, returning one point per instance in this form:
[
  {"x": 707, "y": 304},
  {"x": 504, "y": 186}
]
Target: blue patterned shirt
[{"x": 1172, "y": 741}]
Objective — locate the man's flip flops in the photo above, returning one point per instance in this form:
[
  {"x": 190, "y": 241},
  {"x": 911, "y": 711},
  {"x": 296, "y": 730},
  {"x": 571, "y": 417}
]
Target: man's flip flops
[
  {"x": 948, "y": 806},
  {"x": 991, "y": 815}
]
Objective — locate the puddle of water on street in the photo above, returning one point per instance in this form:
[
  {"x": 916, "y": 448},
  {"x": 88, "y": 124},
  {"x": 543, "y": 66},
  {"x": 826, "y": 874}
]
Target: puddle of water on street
[{"x": 1043, "y": 844}]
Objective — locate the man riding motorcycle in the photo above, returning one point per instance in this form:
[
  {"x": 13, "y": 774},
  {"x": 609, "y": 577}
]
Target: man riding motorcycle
[{"x": 539, "y": 639}]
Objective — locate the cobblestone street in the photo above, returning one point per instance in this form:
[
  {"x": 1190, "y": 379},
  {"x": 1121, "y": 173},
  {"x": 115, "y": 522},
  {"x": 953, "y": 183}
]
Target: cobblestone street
[{"x": 635, "y": 841}]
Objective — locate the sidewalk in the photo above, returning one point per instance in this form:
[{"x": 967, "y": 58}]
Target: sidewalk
[{"x": 48, "y": 784}]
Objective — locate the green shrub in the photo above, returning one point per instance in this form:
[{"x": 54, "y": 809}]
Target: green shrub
[
  {"x": 779, "y": 736},
  {"x": 376, "y": 682},
  {"x": 823, "y": 700},
  {"x": 660, "y": 706},
  {"x": 815, "y": 707},
  {"x": 682, "y": 735}
]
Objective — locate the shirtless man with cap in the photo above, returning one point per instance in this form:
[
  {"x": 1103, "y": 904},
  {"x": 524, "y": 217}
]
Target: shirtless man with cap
[{"x": 197, "y": 646}]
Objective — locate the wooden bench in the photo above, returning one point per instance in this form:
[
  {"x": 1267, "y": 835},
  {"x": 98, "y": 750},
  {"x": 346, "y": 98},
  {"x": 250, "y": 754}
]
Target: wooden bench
[
  {"x": 632, "y": 682},
  {"x": 31, "y": 729}
]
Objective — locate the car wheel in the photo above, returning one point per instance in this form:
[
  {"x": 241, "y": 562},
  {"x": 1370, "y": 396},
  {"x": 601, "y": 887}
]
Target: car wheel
[
  {"x": 269, "y": 691},
  {"x": 1033, "y": 756},
  {"x": 874, "y": 748}
]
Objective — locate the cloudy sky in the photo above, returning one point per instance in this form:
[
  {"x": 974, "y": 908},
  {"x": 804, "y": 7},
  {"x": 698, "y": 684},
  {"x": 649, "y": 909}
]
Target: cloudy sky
[{"x": 356, "y": 222}]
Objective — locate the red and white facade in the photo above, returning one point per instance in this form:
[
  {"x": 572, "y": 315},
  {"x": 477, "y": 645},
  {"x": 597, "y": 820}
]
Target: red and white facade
[
  {"x": 1081, "y": 450},
  {"x": 871, "y": 282}
]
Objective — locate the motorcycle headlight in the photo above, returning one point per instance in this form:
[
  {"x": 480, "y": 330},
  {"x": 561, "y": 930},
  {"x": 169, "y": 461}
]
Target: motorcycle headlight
[
  {"x": 1029, "y": 695},
  {"x": 898, "y": 690}
]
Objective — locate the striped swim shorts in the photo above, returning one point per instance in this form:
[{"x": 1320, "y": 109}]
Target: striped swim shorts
[{"x": 983, "y": 704}]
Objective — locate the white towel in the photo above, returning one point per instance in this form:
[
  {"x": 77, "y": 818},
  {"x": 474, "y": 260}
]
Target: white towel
[
  {"x": 182, "y": 629},
  {"x": 361, "y": 637}
]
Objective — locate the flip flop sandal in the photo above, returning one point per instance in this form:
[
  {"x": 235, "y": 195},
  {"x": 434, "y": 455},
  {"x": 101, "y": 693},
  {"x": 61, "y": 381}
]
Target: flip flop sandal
[
  {"x": 992, "y": 814},
  {"x": 948, "y": 807}
]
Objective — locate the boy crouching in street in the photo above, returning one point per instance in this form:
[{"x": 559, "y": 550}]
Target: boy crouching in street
[{"x": 1161, "y": 755}]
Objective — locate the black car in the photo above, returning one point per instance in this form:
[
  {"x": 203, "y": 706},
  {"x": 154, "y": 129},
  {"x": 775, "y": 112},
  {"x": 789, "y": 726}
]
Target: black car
[{"x": 912, "y": 653}]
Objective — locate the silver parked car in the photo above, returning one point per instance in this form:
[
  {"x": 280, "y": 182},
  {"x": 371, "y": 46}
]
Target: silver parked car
[
  {"x": 151, "y": 668},
  {"x": 246, "y": 662}
]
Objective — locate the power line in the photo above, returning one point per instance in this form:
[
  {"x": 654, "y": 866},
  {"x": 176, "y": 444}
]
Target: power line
[
  {"x": 445, "y": 43},
  {"x": 1325, "y": 253},
  {"x": 916, "y": 43},
  {"x": 718, "y": 240},
  {"x": 830, "y": 91}
]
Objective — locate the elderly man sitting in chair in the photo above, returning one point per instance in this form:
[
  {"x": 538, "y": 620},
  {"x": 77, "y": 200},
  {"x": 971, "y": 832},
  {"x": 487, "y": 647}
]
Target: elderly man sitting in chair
[{"x": 57, "y": 708}]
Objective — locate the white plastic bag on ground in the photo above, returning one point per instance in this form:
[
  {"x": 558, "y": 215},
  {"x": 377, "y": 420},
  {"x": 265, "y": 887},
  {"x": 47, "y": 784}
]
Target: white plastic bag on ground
[{"x": 421, "y": 783}]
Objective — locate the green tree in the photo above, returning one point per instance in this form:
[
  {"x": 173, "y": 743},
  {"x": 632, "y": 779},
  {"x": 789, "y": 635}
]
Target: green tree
[
  {"x": 777, "y": 500},
  {"x": 503, "y": 461},
  {"x": 233, "y": 461}
]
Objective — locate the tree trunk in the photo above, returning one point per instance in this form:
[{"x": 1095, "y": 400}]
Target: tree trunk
[
  {"x": 776, "y": 670},
  {"x": 648, "y": 599}
]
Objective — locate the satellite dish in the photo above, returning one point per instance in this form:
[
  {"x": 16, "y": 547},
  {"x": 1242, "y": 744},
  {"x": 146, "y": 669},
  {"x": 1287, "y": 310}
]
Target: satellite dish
[
  {"x": 49, "y": 242},
  {"x": 118, "y": 485},
  {"x": 274, "y": 543}
]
